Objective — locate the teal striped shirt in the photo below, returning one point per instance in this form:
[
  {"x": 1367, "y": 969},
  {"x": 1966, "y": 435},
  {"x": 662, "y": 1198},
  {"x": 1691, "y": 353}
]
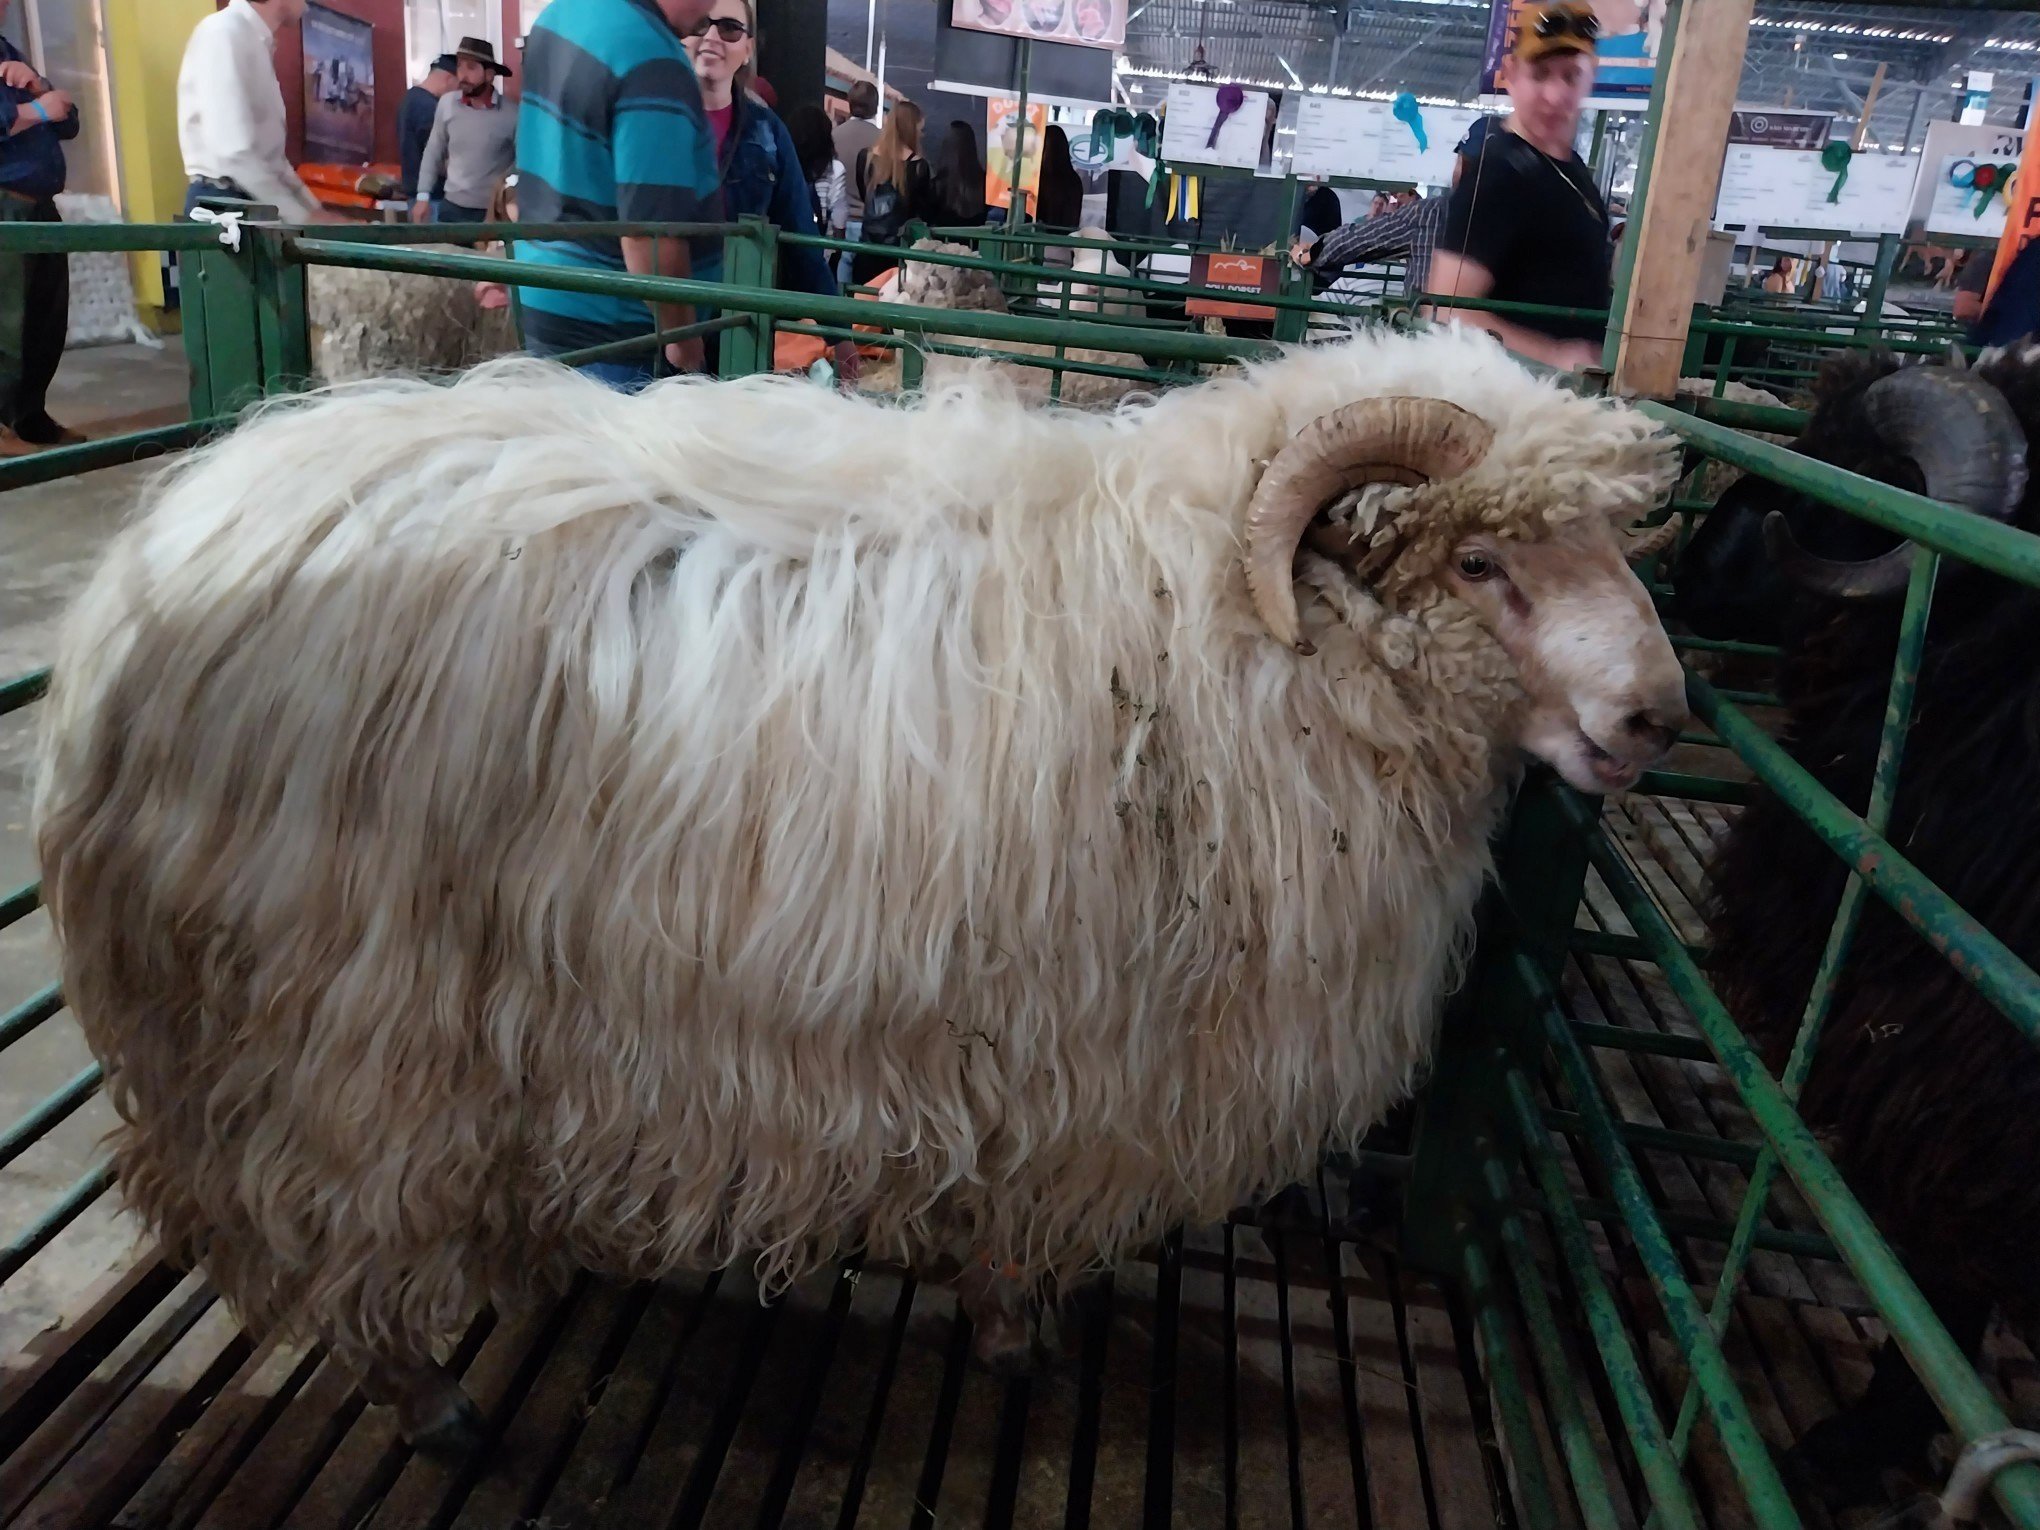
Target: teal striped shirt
[{"x": 611, "y": 129}]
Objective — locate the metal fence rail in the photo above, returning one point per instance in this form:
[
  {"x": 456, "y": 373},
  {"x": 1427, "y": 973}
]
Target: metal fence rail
[{"x": 1787, "y": 1144}]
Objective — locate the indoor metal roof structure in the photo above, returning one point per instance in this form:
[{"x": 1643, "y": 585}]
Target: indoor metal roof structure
[
  {"x": 1815, "y": 54},
  {"x": 1819, "y": 56}
]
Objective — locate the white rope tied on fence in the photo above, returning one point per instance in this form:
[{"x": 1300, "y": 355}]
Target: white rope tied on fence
[
  {"x": 1962, "y": 1501},
  {"x": 229, "y": 224}
]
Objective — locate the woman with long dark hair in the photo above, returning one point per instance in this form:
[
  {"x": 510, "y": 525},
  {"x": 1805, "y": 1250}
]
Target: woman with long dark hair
[
  {"x": 959, "y": 176},
  {"x": 1059, "y": 204}
]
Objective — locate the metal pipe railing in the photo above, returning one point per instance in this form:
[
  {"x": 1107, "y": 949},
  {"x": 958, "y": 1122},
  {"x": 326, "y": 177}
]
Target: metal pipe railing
[
  {"x": 1561, "y": 1389},
  {"x": 111, "y": 451},
  {"x": 1972, "y": 538},
  {"x": 1634, "y": 1404},
  {"x": 1912, "y": 641},
  {"x": 1764, "y": 1491},
  {"x": 1979, "y": 956},
  {"x": 1169, "y": 345},
  {"x": 1936, "y": 1359},
  {"x": 1502, "y": 1349}
]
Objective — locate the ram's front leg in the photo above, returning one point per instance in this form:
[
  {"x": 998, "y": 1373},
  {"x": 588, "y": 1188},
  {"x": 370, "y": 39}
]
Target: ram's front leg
[{"x": 1004, "y": 1316}]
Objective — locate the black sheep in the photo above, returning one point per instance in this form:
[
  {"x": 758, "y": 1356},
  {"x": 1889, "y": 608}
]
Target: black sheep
[{"x": 1929, "y": 1097}]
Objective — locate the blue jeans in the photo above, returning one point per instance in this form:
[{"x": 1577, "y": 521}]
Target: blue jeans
[
  {"x": 444, "y": 211},
  {"x": 853, "y": 228},
  {"x": 623, "y": 376}
]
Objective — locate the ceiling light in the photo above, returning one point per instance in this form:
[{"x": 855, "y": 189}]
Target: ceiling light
[{"x": 1841, "y": 55}]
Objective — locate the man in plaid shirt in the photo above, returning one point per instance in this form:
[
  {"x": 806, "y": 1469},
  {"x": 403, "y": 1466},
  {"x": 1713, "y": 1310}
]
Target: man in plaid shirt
[{"x": 1410, "y": 231}]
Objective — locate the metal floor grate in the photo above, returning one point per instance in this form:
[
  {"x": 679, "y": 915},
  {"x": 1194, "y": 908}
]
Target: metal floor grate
[{"x": 1241, "y": 1378}]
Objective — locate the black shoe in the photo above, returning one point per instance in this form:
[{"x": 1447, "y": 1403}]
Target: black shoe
[{"x": 40, "y": 430}]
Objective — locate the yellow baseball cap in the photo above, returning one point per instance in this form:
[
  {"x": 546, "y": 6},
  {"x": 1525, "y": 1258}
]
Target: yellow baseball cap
[{"x": 1563, "y": 26}]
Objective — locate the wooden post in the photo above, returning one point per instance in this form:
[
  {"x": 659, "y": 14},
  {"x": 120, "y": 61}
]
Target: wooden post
[
  {"x": 1670, "y": 232},
  {"x": 1869, "y": 105}
]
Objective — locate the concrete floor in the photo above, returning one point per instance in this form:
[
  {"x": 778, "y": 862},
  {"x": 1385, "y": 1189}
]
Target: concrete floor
[{"x": 50, "y": 537}]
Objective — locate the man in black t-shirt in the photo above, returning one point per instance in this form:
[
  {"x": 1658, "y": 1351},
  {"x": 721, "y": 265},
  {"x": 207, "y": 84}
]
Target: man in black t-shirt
[{"x": 1526, "y": 223}]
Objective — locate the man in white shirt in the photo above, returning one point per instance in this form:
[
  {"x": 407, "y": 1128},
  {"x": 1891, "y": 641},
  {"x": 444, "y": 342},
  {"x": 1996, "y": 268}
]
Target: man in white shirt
[{"x": 230, "y": 121}]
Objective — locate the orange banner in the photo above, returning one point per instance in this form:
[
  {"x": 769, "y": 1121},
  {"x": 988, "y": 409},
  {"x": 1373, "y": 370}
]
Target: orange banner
[{"x": 2022, "y": 213}]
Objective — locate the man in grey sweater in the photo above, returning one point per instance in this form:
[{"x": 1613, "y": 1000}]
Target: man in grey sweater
[
  {"x": 855, "y": 136},
  {"x": 473, "y": 143}
]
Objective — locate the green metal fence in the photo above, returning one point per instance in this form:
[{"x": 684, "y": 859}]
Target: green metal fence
[{"x": 1519, "y": 1106}]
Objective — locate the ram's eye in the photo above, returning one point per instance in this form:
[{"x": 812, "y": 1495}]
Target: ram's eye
[{"x": 1477, "y": 566}]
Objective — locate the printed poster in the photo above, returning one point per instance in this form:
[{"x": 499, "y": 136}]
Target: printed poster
[
  {"x": 1631, "y": 33},
  {"x": 1087, "y": 23},
  {"x": 339, "y": 88},
  {"x": 1002, "y": 148}
]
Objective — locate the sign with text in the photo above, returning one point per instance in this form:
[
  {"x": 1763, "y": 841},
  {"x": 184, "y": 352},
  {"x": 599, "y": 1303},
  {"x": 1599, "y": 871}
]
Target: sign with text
[
  {"x": 1790, "y": 188},
  {"x": 1232, "y": 273},
  {"x": 1087, "y": 23},
  {"x": 1777, "y": 129},
  {"x": 1366, "y": 139}
]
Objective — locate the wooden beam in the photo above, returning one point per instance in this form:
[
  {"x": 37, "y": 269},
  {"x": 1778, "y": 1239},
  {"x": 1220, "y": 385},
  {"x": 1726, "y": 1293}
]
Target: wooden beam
[
  {"x": 1678, "y": 208},
  {"x": 1869, "y": 105}
]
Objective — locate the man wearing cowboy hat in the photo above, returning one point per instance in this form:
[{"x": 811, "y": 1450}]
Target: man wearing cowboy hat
[{"x": 473, "y": 143}]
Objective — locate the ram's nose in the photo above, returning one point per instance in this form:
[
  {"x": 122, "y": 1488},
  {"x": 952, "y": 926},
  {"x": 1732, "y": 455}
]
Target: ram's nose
[{"x": 1647, "y": 734}]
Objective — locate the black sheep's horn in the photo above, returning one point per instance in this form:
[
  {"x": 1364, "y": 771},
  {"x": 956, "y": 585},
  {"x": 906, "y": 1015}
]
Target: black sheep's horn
[
  {"x": 1959, "y": 431},
  {"x": 1884, "y": 574},
  {"x": 1971, "y": 452}
]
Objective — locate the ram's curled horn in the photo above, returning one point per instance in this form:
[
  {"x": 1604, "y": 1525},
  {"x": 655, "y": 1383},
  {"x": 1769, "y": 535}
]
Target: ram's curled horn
[
  {"x": 1965, "y": 440},
  {"x": 1377, "y": 440},
  {"x": 1649, "y": 541}
]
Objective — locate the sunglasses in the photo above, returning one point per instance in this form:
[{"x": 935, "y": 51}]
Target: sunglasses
[
  {"x": 728, "y": 28},
  {"x": 1558, "y": 23}
]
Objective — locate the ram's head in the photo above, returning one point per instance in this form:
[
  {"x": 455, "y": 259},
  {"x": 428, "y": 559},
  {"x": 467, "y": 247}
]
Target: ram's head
[{"x": 1605, "y": 697}]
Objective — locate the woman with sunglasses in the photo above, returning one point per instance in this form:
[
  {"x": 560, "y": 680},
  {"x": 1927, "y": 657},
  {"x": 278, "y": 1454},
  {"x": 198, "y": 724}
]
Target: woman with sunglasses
[
  {"x": 1526, "y": 223},
  {"x": 754, "y": 153}
]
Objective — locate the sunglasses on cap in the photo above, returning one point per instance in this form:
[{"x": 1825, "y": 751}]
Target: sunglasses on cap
[
  {"x": 728, "y": 28},
  {"x": 1563, "y": 21}
]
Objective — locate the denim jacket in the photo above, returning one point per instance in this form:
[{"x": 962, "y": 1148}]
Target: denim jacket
[{"x": 761, "y": 174}]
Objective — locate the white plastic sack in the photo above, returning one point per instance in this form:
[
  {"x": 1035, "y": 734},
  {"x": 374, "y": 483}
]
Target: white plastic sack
[{"x": 102, "y": 289}]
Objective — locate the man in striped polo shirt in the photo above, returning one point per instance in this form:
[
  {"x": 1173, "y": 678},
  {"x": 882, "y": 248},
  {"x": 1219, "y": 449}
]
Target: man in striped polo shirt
[{"x": 612, "y": 130}]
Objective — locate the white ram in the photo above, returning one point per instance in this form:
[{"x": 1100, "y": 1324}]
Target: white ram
[
  {"x": 929, "y": 285},
  {"x": 375, "y": 323},
  {"x": 512, "y": 827}
]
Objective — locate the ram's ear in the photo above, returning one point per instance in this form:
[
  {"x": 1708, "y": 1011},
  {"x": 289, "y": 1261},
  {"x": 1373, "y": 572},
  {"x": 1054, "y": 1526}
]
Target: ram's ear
[{"x": 1378, "y": 440}]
